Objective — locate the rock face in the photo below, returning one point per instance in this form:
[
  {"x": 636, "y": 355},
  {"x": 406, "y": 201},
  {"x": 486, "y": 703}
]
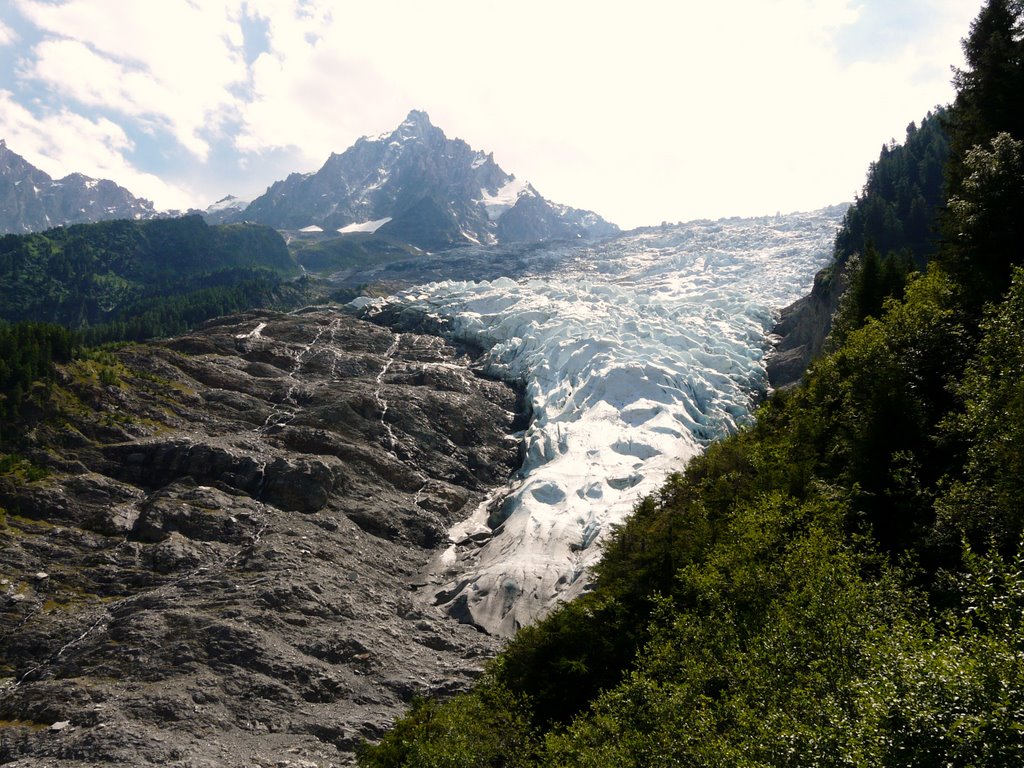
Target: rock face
[
  {"x": 221, "y": 566},
  {"x": 420, "y": 187},
  {"x": 31, "y": 201},
  {"x": 803, "y": 328}
]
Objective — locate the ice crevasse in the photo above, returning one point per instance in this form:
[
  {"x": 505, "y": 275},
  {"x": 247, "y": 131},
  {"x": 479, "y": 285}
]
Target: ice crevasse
[{"x": 634, "y": 354}]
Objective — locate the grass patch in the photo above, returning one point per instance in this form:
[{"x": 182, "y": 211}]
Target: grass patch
[
  {"x": 20, "y": 469},
  {"x": 32, "y": 725},
  {"x": 25, "y": 523}
]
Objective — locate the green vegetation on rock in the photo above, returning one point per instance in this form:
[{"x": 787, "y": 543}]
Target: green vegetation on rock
[{"x": 69, "y": 288}]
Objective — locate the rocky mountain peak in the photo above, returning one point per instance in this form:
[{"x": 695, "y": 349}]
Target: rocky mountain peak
[
  {"x": 32, "y": 201},
  {"x": 416, "y": 125},
  {"x": 434, "y": 192},
  {"x": 13, "y": 164},
  {"x": 224, "y": 209}
]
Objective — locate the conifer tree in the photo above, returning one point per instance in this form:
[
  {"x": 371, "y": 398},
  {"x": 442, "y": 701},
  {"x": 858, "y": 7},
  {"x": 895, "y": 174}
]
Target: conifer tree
[
  {"x": 982, "y": 228},
  {"x": 990, "y": 91}
]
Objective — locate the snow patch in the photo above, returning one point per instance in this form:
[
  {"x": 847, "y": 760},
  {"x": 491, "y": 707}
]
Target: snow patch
[
  {"x": 364, "y": 226},
  {"x": 504, "y": 198},
  {"x": 312, "y": 228},
  {"x": 227, "y": 203},
  {"x": 255, "y": 333}
]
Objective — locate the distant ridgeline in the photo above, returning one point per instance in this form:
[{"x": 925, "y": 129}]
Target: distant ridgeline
[{"x": 121, "y": 280}]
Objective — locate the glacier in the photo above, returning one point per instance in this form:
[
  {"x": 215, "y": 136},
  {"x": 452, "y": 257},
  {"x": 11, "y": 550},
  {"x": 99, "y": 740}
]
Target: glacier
[{"x": 635, "y": 353}]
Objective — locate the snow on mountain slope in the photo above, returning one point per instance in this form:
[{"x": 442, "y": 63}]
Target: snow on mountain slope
[
  {"x": 368, "y": 227},
  {"x": 504, "y": 197},
  {"x": 437, "y": 192},
  {"x": 635, "y": 353},
  {"x": 224, "y": 209}
]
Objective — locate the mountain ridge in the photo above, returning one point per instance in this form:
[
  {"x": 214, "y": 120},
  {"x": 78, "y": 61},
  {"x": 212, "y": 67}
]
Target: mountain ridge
[
  {"x": 31, "y": 200},
  {"x": 87, "y": 276},
  {"x": 415, "y": 184},
  {"x": 421, "y": 180}
]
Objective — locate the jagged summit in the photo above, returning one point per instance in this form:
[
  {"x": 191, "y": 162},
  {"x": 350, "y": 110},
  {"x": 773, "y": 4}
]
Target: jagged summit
[
  {"x": 31, "y": 201},
  {"x": 417, "y": 185},
  {"x": 416, "y": 125},
  {"x": 414, "y": 185}
]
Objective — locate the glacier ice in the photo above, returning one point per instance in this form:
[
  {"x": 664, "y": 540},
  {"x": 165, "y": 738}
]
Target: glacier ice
[{"x": 634, "y": 354}]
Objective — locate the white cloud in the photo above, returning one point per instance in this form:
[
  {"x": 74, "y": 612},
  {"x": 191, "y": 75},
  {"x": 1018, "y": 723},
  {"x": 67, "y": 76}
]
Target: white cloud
[
  {"x": 7, "y": 35},
  {"x": 646, "y": 111},
  {"x": 314, "y": 89},
  {"x": 66, "y": 142},
  {"x": 172, "y": 64}
]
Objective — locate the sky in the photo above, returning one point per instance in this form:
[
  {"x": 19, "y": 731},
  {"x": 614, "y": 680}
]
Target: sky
[{"x": 643, "y": 111}]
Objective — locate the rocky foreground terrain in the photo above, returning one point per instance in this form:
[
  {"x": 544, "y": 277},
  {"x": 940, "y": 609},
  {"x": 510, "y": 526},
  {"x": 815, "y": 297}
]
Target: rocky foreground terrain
[{"x": 210, "y": 555}]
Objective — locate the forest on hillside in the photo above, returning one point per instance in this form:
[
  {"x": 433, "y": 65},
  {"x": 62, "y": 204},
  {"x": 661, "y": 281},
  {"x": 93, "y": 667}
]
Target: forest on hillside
[
  {"x": 92, "y": 274},
  {"x": 90, "y": 284},
  {"x": 841, "y": 583}
]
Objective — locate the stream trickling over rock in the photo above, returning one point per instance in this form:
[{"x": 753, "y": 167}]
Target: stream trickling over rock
[{"x": 634, "y": 353}]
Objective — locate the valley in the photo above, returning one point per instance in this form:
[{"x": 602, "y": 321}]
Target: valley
[
  {"x": 262, "y": 538},
  {"x": 402, "y": 464}
]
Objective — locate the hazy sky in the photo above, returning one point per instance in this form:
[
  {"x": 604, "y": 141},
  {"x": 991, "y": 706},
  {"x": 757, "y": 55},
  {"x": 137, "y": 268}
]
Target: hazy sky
[{"x": 643, "y": 111}]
